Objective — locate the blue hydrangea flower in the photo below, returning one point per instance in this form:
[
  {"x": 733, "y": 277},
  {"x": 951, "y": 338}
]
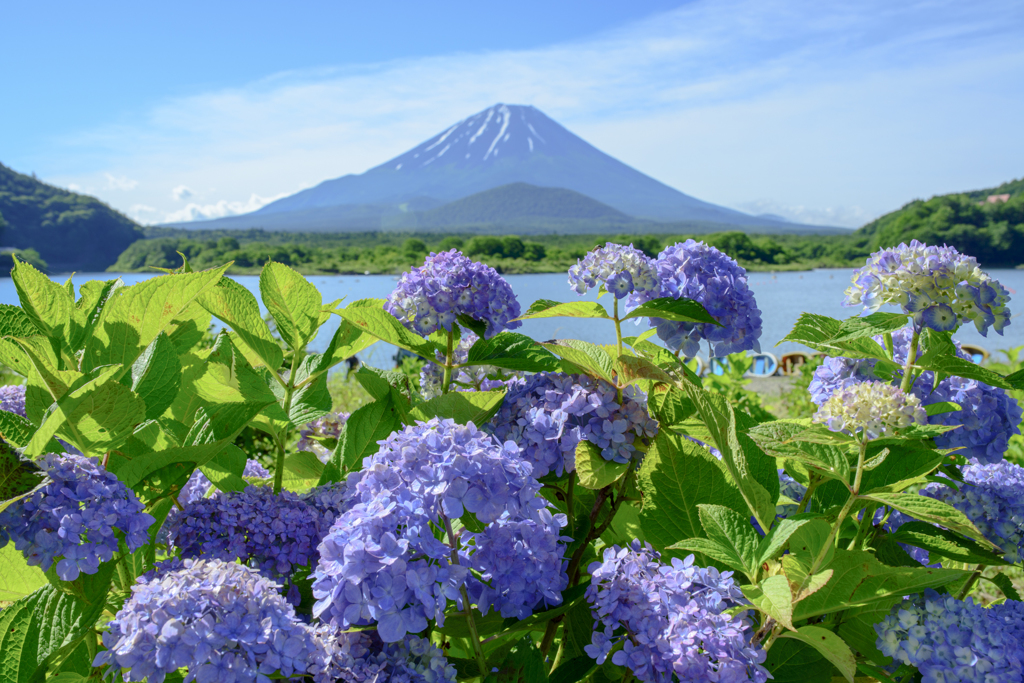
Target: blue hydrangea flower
[
  {"x": 72, "y": 519},
  {"x": 792, "y": 489},
  {"x": 950, "y": 640},
  {"x": 874, "y": 408},
  {"x": 221, "y": 621},
  {"x": 622, "y": 270},
  {"x": 693, "y": 270},
  {"x": 382, "y": 563},
  {"x": 470, "y": 378},
  {"x": 326, "y": 427},
  {"x": 670, "y": 618},
  {"x": 431, "y": 297},
  {"x": 198, "y": 485},
  {"x": 12, "y": 399},
  {"x": 361, "y": 657},
  {"x": 989, "y": 416},
  {"x": 940, "y": 287},
  {"x": 992, "y": 496},
  {"x": 548, "y": 414}
]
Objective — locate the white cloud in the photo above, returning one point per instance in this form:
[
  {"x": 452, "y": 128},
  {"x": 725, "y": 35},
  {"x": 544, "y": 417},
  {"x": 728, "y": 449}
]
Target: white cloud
[
  {"x": 181, "y": 192},
  {"x": 197, "y": 212},
  {"x": 120, "y": 182},
  {"x": 811, "y": 104},
  {"x": 842, "y": 216}
]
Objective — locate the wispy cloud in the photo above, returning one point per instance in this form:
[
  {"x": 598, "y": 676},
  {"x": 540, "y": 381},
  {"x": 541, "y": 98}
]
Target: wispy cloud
[
  {"x": 220, "y": 209},
  {"x": 180, "y": 193},
  {"x": 814, "y": 105},
  {"x": 122, "y": 183}
]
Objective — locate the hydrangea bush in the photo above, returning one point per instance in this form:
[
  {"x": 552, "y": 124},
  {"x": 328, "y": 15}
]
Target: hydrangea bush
[{"x": 534, "y": 511}]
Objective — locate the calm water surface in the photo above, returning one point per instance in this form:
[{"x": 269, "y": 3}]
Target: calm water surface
[{"x": 781, "y": 297}]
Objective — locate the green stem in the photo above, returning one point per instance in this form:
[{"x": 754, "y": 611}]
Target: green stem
[
  {"x": 813, "y": 482},
  {"x": 865, "y": 526},
  {"x": 559, "y": 652},
  {"x": 971, "y": 581},
  {"x": 467, "y": 608},
  {"x": 549, "y": 637},
  {"x": 447, "y": 381},
  {"x": 618, "y": 326},
  {"x": 908, "y": 378},
  {"x": 289, "y": 392},
  {"x": 570, "y": 502}
]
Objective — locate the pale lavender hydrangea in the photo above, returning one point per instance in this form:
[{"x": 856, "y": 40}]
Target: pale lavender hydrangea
[
  {"x": 940, "y": 287},
  {"x": 693, "y": 270},
  {"x": 622, "y": 270},
  {"x": 382, "y": 563},
  {"x": 12, "y": 399},
  {"x": 431, "y": 297},
  {"x": 951, "y": 640},
  {"x": 469, "y": 378},
  {"x": 548, "y": 414},
  {"x": 671, "y": 619},
  {"x": 74, "y": 519},
  {"x": 326, "y": 428},
  {"x": 987, "y": 418},
  {"x": 220, "y": 621},
  {"x": 874, "y": 408}
]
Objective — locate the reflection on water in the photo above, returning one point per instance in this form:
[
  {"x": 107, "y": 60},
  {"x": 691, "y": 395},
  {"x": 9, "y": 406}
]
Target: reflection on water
[{"x": 781, "y": 297}]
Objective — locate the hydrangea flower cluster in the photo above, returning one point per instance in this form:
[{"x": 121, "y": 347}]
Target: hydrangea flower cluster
[
  {"x": 693, "y": 270},
  {"x": 72, "y": 519},
  {"x": 989, "y": 416},
  {"x": 670, "y": 619},
  {"x": 548, "y": 414},
  {"x": 381, "y": 561},
  {"x": 622, "y": 270},
  {"x": 951, "y": 640},
  {"x": 361, "y": 657},
  {"x": 940, "y": 287},
  {"x": 12, "y": 399},
  {"x": 874, "y": 408},
  {"x": 276, "y": 532},
  {"x": 220, "y": 620},
  {"x": 992, "y": 497},
  {"x": 326, "y": 427},
  {"x": 431, "y": 297},
  {"x": 470, "y": 378},
  {"x": 198, "y": 485}
]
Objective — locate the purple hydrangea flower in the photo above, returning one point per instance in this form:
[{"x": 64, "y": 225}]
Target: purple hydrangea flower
[
  {"x": 950, "y": 640},
  {"x": 12, "y": 399},
  {"x": 470, "y": 378},
  {"x": 382, "y": 563},
  {"x": 548, "y": 414},
  {"x": 940, "y": 287},
  {"x": 693, "y": 270},
  {"x": 326, "y": 427},
  {"x": 670, "y": 618},
  {"x": 989, "y": 416},
  {"x": 431, "y": 297},
  {"x": 198, "y": 485},
  {"x": 73, "y": 517},
  {"x": 221, "y": 621},
  {"x": 622, "y": 270},
  {"x": 361, "y": 657}
]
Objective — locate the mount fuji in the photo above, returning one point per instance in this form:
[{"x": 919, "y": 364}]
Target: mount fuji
[{"x": 503, "y": 145}]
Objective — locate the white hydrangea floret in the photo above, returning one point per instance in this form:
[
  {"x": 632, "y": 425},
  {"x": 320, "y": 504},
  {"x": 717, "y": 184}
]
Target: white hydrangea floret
[{"x": 873, "y": 407}]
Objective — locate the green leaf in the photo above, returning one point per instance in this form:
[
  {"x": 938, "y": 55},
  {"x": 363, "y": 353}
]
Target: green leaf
[
  {"x": 777, "y": 539},
  {"x": 47, "y": 304},
  {"x": 293, "y": 302},
  {"x": 524, "y": 664},
  {"x": 1005, "y": 585},
  {"x": 582, "y": 357},
  {"x": 785, "y": 439},
  {"x": 675, "y": 477},
  {"x": 17, "y": 578},
  {"x": 830, "y": 646},
  {"x": 870, "y": 326},
  {"x": 733, "y": 531},
  {"x": 669, "y": 405},
  {"x": 18, "y": 475},
  {"x": 574, "y": 670},
  {"x": 859, "y": 579},
  {"x": 346, "y": 342},
  {"x": 593, "y": 470},
  {"x": 538, "y": 620},
  {"x": 19, "y": 642},
  {"x": 133, "y": 316},
  {"x": 237, "y": 308},
  {"x": 631, "y": 369},
  {"x": 225, "y": 469},
  {"x": 930, "y": 510},
  {"x": 369, "y": 316},
  {"x": 94, "y": 296},
  {"x": 358, "y": 439},
  {"x": 156, "y": 376},
  {"x": 15, "y": 323},
  {"x": 667, "y": 308},
  {"x": 464, "y": 407},
  {"x": 945, "y": 543},
  {"x": 958, "y": 367},
  {"x": 512, "y": 351},
  {"x": 713, "y": 549},
  {"x": 828, "y": 335},
  {"x": 774, "y": 597},
  {"x": 544, "y": 308},
  {"x": 791, "y": 661},
  {"x": 941, "y": 407},
  {"x": 312, "y": 399}
]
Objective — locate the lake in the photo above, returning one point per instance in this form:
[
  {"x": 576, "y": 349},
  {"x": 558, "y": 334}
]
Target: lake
[{"x": 780, "y": 296}]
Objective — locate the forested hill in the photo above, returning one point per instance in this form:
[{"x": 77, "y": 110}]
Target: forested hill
[
  {"x": 70, "y": 231},
  {"x": 987, "y": 224}
]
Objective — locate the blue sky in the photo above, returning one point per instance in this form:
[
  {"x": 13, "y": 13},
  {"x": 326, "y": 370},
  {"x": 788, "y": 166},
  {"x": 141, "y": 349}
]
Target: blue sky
[{"x": 823, "y": 112}]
